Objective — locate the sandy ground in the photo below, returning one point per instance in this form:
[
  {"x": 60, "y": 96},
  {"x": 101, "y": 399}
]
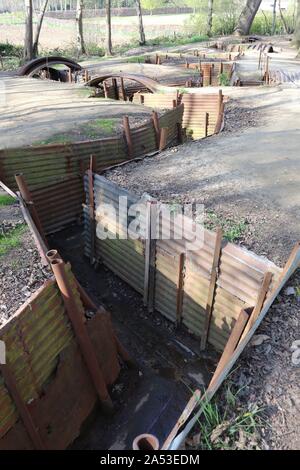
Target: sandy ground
[{"x": 33, "y": 110}]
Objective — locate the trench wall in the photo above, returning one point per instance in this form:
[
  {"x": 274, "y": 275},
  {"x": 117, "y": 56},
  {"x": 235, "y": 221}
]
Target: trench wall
[
  {"x": 181, "y": 282},
  {"x": 54, "y": 173},
  {"x": 44, "y": 358}
]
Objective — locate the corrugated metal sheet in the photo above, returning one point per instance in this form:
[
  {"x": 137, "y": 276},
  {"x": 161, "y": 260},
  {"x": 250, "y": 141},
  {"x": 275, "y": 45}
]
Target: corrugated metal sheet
[
  {"x": 34, "y": 338},
  {"x": 54, "y": 173},
  {"x": 196, "y": 106},
  {"x": 240, "y": 271}
]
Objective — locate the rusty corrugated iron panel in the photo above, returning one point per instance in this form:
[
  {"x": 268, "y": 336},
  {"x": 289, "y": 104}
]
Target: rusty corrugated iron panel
[
  {"x": 34, "y": 338},
  {"x": 240, "y": 276}
]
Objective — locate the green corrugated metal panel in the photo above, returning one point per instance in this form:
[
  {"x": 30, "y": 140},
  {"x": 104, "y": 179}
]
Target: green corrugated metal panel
[{"x": 34, "y": 337}]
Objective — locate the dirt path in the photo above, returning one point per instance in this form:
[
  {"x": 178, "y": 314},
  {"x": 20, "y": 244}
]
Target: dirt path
[{"x": 34, "y": 110}]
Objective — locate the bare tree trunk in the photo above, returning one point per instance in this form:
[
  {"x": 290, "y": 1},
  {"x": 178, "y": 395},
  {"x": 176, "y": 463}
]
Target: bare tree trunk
[
  {"x": 28, "y": 52},
  {"x": 108, "y": 28},
  {"x": 297, "y": 28},
  {"x": 209, "y": 17},
  {"x": 246, "y": 17},
  {"x": 141, "y": 26},
  {"x": 38, "y": 29},
  {"x": 79, "y": 27},
  {"x": 274, "y": 17}
]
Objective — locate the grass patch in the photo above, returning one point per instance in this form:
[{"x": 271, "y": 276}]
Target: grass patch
[
  {"x": 232, "y": 230},
  {"x": 92, "y": 128},
  {"x": 139, "y": 59},
  {"x": 229, "y": 427},
  {"x": 12, "y": 239},
  {"x": 224, "y": 79},
  {"x": 6, "y": 200},
  {"x": 55, "y": 139}
]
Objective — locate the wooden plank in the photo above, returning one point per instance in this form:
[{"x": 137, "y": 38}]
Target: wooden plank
[
  {"x": 212, "y": 286},
  {"x": 259, "y": 303},
  {"x": 152, "y": 256}
]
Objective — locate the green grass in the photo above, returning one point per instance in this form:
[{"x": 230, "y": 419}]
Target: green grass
[
  {"x": 12, "y": 239},
  {"x": 6, "y": 200},
  {"x": 55, "y": 139},
  {"x": 93, "y": 128},
  {"x": 229, "y": 426},
  {"x": 232, "y": 230}
]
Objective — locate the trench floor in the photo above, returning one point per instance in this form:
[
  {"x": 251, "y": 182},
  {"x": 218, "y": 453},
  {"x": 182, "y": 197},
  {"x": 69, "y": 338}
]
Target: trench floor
[{"x": 150, "y": 397}]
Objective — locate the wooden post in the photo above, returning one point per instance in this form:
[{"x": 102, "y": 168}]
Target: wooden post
[
  {"x": 259, "y": 59},
  {"x": 70, "y": 78},
  {"x": 128, "y": 136},
  {"x": 155, "y": 121},
  {"x": 174, "y": 102},
  {"x": 115, "y": 87},
  {"x": 142, "y": 99},
  {"x": 147, "y": 253},
  {"x": 26, "y": 195},
  {"x": 105, "y": 87},
  {"x": 179, "y": 133},
  {"x": 152, "y": 254},
  {"x": 91, "y": 170},
  {"x": 86, "y": 75},
  {"x": 206, "y": 124},
  {"x": 231, "y": 344},
  {"x": 212, "y": 287},
  {"x": 123, "y": 89},
  {"x": 180, "y": 288},
  {"x": 22, "y": 408},
  {"x": 210, "y": 74},
  {"x": 163, "y": 138}
]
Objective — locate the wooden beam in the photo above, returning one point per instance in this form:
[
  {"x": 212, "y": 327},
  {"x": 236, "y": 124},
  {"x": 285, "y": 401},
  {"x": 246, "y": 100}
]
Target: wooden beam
[{"x": 212, "y": 287}]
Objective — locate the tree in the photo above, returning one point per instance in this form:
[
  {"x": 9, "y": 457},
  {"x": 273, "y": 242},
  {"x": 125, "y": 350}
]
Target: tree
[
  {"x": 274, "y": 17},
  {"x": 38, "y": 28},
  {"x": 297, "y": 27},
  {"x": 79, "y": 27},
  {"x": 209, "y": 17},
  {"x": 141, "y": 26},
  {"x": 246, "y": 17},
  {"x": 28, "y": 46},
  {"x": 108, "y": 28}
]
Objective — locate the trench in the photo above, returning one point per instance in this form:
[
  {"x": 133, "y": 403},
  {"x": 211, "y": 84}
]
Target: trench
[{"x": 150, "y": 397}]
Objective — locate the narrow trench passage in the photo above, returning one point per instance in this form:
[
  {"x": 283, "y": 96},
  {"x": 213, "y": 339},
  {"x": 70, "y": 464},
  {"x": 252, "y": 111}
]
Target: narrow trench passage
[{"x": 151, "y": 397}]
